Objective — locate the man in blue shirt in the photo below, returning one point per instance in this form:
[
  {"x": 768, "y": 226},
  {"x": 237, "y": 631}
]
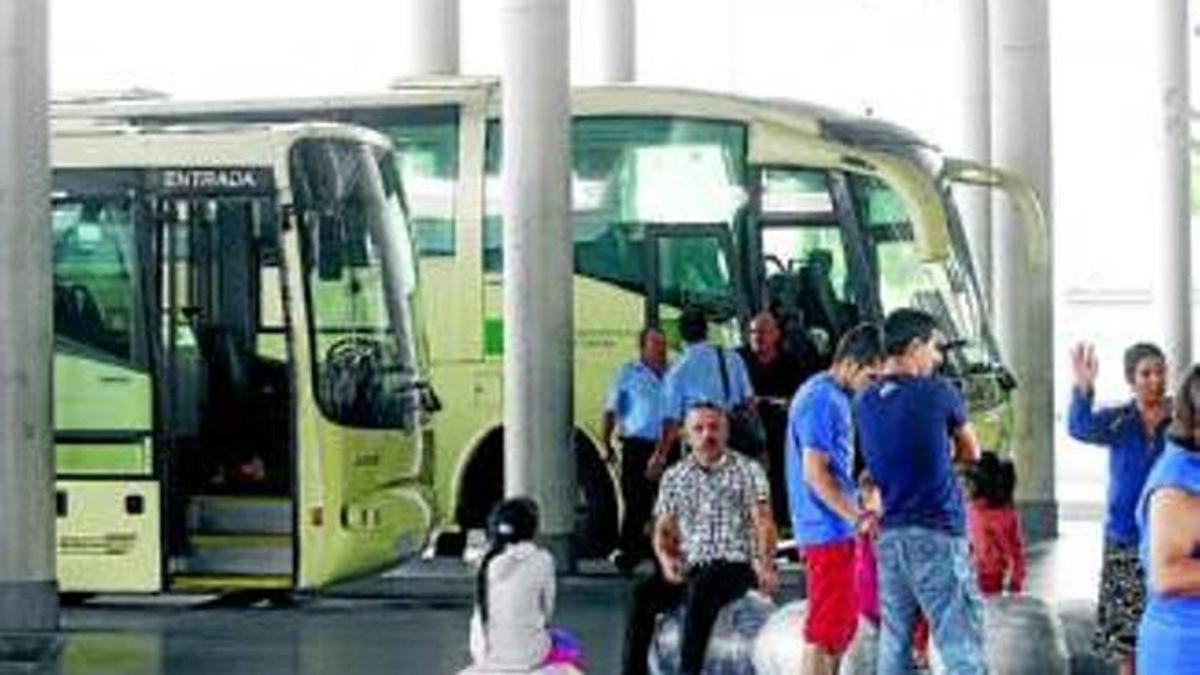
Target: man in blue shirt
[
  {"x": 819, "y": 461},
  {"x": 912, "y": 425},
  {"x": 634, "y": 411},
  {"x": 696, "y": 378}
]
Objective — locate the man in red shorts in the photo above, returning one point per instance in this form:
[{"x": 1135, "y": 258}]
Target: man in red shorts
[{"x": 822, "y": 494}]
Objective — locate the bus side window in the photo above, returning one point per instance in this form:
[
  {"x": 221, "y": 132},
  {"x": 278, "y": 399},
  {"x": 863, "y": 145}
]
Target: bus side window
[{"x": 95, "y": 276}]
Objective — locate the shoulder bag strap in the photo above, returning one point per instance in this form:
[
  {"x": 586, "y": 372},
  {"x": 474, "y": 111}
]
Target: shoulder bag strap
[{"x": 724, "y": 374}]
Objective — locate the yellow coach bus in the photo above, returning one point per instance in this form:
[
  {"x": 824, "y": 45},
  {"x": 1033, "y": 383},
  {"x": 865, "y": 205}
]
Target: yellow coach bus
[
  {"x": 678, "y": 197},
  {"x": 240, "y": 399}
]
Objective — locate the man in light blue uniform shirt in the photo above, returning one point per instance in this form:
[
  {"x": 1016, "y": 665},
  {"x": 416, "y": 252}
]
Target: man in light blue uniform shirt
[
  {"x": 634, "y": 411},
  {"x": 696, "y": 378}
]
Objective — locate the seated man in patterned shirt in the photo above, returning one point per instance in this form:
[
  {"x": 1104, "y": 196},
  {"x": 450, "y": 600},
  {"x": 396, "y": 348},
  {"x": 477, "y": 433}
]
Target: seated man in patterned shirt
[{"x": 714, "y": 539}]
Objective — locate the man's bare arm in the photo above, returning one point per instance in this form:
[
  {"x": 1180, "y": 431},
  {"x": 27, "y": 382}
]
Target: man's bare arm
[
  {"x": 1173, "y": 531},
  {"x": 966, "y": 444},
  {"x": 666, "y": 547},
  {"x": 767, "y": 538},
  {"x": 667, "y": 438},
  {"x": 608, "y": 424},
  {"x": 819, "y": 477}
]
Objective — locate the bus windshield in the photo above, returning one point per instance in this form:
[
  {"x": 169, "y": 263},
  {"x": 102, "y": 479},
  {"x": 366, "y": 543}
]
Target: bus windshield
[
  {"x": 360, "y": 280},
  {"x": 944, "y": 288}
]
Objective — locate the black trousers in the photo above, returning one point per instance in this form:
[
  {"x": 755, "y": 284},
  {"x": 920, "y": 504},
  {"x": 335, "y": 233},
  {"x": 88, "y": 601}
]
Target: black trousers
[
  {"x": 774, "y": 421},
  {"x": 639, "y": 494},
  {"x": 708, "y": 588}
]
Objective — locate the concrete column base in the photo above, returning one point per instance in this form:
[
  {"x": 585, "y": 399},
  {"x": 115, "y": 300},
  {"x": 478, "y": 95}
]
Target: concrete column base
[
  {"x": 29, "y": 622},
  {"x": 1039, "y": 518}
]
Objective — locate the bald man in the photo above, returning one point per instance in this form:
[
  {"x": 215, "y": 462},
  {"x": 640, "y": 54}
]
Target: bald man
[{"x": 775, "y": 375}]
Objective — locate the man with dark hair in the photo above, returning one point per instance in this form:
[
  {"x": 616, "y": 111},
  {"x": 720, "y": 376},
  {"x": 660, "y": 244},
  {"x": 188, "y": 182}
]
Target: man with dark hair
[
  {"x": 821, "y": 489},
  {"x": 705, "y": 372},
  {"x": 714, "y": 539},
  {"x": 634, "y": 411},
  {"x": 912, "y": 425}
]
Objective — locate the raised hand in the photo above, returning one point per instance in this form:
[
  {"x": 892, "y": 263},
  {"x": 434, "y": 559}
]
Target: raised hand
[{"x": 1084, "y": 366}]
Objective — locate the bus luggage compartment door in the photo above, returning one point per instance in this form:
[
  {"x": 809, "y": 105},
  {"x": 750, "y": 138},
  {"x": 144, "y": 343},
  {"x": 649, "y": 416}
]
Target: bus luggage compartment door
[{"x": 109, "y": 536}]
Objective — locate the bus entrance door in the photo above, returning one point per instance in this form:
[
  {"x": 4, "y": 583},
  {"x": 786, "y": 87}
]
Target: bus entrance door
[{"x": 226, "y": 396}]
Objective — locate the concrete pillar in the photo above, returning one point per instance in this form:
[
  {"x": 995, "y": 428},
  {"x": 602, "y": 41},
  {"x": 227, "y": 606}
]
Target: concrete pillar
[
  {"x": 1023, "y": 285},
  {"x": 1170, "y": 210},
  {"x": 974, "y": 64},
  {"x": 28, "y": 591},
  {"x": 538, "y": 261},
  {"x": 615, "y": 46},
  {"x": 430, "y": 38}
]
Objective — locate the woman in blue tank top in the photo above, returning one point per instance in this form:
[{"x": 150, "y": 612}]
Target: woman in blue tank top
[{"x": 1168, "y": 516}]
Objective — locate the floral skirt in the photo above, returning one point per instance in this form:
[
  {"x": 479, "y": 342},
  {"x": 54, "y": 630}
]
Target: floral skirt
[{"x": 1121, "y": 602}]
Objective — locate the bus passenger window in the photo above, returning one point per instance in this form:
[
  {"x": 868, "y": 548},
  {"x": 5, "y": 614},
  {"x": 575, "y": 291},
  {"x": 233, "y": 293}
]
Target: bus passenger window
[{"x": 96, "y": 275}]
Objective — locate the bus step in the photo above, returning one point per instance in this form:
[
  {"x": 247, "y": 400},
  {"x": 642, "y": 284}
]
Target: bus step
[
  {"x": 237, "y": 554},
  {"x": 230, "y": 582},
  {"x": 231, "y": 514}
]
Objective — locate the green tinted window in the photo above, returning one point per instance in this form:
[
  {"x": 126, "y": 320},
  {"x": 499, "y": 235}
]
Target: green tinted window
[
  {"x": 893, "y": 250},
  {"x": 801, "y": 235},
  {"x": 628, "y": 172},
  {"x": 796, "y": 192},
  {"x": 693, "y": 271},
  {"x": 818, "y": 248},
  {"x": 96, "y": 294},
  {"x": 427, "y": 147}
]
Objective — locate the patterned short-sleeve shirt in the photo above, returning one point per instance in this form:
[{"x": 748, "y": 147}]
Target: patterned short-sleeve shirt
[{"x": 713, "y": 507}]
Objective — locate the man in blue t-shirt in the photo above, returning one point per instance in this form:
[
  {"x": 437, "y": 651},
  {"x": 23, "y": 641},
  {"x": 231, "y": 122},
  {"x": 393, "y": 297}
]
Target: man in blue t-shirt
[
  {"x": 912, "y": 426},
  {"x": 819, "y": 463}
]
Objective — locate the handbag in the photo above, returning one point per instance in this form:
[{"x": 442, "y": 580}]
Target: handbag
[{"x": 746, "y": 431}]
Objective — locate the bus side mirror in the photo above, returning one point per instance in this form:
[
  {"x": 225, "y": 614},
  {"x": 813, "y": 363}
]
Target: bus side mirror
[
  {"x": 1006, "y": 378},
  {"x": 430, "y": 400},
  {"x": 330, "y": 249}
]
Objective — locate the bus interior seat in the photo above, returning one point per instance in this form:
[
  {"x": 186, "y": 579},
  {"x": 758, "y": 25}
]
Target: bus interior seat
[
  {"x": 783, "y": 299},
  {"x": 64, "y": 314},
  {"x": 818, "y": 298},
  {"x": 77, "y": 314}
]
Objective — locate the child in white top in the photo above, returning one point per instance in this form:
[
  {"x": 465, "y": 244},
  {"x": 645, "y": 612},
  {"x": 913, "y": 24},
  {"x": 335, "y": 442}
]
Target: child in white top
[{"x": 515, "y": 589}]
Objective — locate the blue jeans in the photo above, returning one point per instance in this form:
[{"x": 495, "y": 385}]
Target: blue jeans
[{"x": 923, "y": 570}]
